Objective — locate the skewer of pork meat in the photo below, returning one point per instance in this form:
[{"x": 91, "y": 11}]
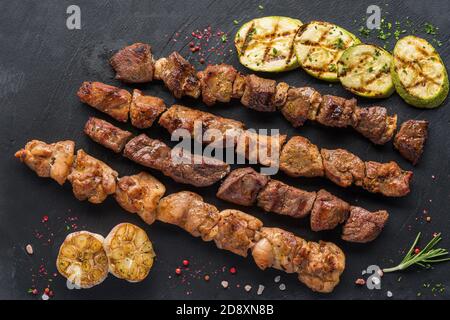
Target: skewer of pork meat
[
  {"x": 247, "y": 187},
  {"x": 298, "y": 157},
  {"x": 221, "y": 83},
  {"x": 318, "y": 265}
]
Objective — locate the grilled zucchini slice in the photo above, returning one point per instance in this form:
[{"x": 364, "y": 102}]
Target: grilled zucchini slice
[
  {"x": 364, "y": 69},
  {"x": 418, "y": 72},
  {"x": 267, "y": 44},
  {"x": 318, "y": 47}
]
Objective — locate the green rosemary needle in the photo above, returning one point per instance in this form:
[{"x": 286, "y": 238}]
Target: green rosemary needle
[{"x": 425, "y": 257}]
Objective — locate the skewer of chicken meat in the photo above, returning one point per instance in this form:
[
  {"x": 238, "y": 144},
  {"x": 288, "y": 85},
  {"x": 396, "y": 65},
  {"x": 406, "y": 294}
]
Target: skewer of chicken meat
[
  {"x": 318, "y": 265},
  {"x": 242, "y": 186},
  {"x": 221, "y": 83},
  {"x": 298, "y": 157}
]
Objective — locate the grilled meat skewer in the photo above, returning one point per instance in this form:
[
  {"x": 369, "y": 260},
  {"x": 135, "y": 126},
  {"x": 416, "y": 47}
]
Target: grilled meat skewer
[
  {"x": 221, "y": 83},
  {"x": 318, "y": 265}
]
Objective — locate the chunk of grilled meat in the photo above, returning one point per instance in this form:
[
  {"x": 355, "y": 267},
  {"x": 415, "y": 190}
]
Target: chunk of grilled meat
[
  {"x": 236, "y": 231},
  {"x": 238, "y": 86},
  {"x": 178, "y": 75},
  {"x": 178, "y": 164},
  {"x": 260, "y": 148},
  {"x": 217, "y": 83},
  {"x": 242, "y": 186},
  {"x": 278, "y": 249},
  {"x": 336, "y": 111},
  {"x": 300, "y": 158},
  {"x": 343, "y": 167},
  {"x": 301, "y": 104},
  {"x": 259, "y": 94},
  {"x": 144, "y": 110},
  {"x": 281, "y": 94},
  {"x": 387, "y": 178},
  {"x": 375, "y": 124},
  {"x": 148, "y": 152},
  {"x": 107, "y": 134},
  {"x": 328, "y": 211},
  {"x": 410, "y": 139},
  {"x": 319, "y": 265},
  {"x": 363, "y": 226},
  {"x": 286, "y": 200},
  {"x": 91, "y": 178},
  {"x": 108, "y": 99},
  {"x": 195, "y": 169},
  {"x": 324, "y": 265},
  {"x": 140, "y": 193},
  {"x": 48, "y": 160},
  {"x": 188, "y": 211},
  {"x": 134, "y": 64},
  {"x": 181, "y": 117}
]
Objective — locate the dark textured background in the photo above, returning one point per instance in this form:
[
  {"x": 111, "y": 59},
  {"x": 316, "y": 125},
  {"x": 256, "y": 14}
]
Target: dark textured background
[{"x": 42, "y": 64}]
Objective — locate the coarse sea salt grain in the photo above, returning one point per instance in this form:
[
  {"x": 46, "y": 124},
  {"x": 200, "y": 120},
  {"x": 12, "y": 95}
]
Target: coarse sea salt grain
[
  {"x": 248, "y": 287},
  {"x": 389, "y": 294},
  {"x": 277, "y": 279},
  {"x": 45, "y": 297},
  {"x": 224, "y": 284},
  {"x": 282, "y": 287},
  {"x": 260, "y": 289}
]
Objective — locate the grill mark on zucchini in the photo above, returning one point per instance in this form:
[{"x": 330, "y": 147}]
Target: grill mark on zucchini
[
  {"x": 270, "y": 43},
  {"x": 416, "y": 67},
  {"x": 247, "y": 38},
  {"x": 291, "y": 49}
]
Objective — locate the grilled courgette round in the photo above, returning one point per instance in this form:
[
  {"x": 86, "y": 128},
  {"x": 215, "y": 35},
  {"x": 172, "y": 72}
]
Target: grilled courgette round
[
  {"x": 364, "y": 69},
  {"x": 318, "y": 47},
  {"x": 267, "y": 44},
  {"x": 418, "y": 73}
]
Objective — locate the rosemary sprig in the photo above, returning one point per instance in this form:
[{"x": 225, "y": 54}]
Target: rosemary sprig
[{"x": 424, "y": 258}]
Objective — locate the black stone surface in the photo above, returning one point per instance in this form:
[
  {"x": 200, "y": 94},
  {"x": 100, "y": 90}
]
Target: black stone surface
[{"x": 42, "y": 64}]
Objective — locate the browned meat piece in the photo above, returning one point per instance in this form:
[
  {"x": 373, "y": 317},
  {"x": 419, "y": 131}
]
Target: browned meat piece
[
  {"x": 259, "y": 93},
  {"x": 319, "y": 265},
  {"x": 259, "y": 148},
  {"x": 278, "y": 249},
  {"x": 106, "y": 134},
  {"x": 108, "y": 99},
  {"x": 188, "y": 211},
  {"x": 328, "y": 211},
  {"x": 315, "y": 100},
  {"x": 387, "y": 178},
  {"x": 375, "y": 124},
  {"x": 178, "y": 75},
  {"x": 236, "y": 231},
  {"x": 301, "y": 158},
  {"x": 148, "y": 152},
  {"x": 283, "y": 199},
  {"x": 134, "y": 63},
  {"x": 336, "y": 111},
  {"x": 296, "y": 108},
  {"x": 281, "y": 93},
  {"x": 410, "y": 139},
  {"x": 343, "y": 167},
  {"x": 238, "y": 86},
  {"x": 323, "y": 266},
  {"x": 195, "y": 169},
  {"x": 181, "y": 117},
  {"x": 144, "y": 110},
  {"x": 242, "y": 186},
  {"x": 140, "y": 193},
  {"x": 91, "y": 178},
  {"x": 217, "y": 83},
  {"x": 364, "y": 226},
  {"x": 48, "y": 160}
]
